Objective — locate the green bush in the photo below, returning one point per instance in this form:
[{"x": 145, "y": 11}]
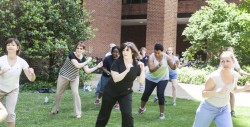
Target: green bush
[
  {"x": 47, "y": 30},
  {"x": 244, "y": 79},
  {"x": 198, "y": 76},
  {"x": 191, "y": 75},
  {"x": 31, "y": 86}
]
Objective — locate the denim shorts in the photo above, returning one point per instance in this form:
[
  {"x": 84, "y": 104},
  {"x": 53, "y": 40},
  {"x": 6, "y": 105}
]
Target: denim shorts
[{"x": 173, "y": 76}]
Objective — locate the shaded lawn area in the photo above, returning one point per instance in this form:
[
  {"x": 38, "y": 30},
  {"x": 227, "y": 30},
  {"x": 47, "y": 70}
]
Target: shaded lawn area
[{"x": 31, "y": 112}]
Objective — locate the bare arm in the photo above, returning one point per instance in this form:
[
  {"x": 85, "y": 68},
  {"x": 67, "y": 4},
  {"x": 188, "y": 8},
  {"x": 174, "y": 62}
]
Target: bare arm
[
  {"x": 80, "y": 65},
  {"x": 3, "y": 112},
  {"x": 151, "y": 66},
  {"x": 120, "y": 76},
  {"x": 171, "y": 64},
  {"x": 90, "y": 70},
  {"x": 29, "y": 72},
  {"x": 141, "y": 78},
  {"x": 106, "y": 71},
  {"x": 242, "y": 72},
  {"x": 246, "y": 87},
  {"x": 208, "y": 90}
]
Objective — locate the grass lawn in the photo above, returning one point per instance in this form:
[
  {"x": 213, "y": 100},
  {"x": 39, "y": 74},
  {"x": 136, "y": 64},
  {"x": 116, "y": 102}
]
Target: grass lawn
[{"x": 31, "y": 112}]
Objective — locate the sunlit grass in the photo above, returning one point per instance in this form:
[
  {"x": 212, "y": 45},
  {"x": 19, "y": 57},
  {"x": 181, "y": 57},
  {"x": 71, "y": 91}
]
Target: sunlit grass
[{"x": 31, "y": 112}]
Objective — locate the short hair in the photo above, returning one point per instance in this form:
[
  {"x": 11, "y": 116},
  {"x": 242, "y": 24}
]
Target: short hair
[
  {"x": 143, "y": 48},
  {"x": 133, "y": 48},
  {"x": 10, "y": 40},
  {"x": 115, "y": 47},
  {"x": 81, "y": 44},
  {"x": 158, "y": 47}
]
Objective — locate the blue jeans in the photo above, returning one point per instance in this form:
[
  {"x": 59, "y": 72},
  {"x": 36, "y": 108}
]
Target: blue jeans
[
  {"x": 101, "y": 84},
  {"x": 207, "y": 113}
]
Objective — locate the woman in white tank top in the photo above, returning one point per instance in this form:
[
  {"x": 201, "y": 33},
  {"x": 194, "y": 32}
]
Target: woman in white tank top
[{"x": 217, "y": 94}]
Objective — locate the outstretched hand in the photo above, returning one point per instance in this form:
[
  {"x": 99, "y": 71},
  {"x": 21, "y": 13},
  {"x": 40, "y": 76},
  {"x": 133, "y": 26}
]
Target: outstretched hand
[
  {"x": 222, "y": 90},
  {"x": 5, "y": 69},
  {"x": 31, "y": 71},
  {"x": 247, "y": 86},
  {"x": 128, "y": 66},
  {"x": 89, "y": 59}
]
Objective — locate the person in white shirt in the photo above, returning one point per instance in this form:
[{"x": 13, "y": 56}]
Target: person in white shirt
[
  {"x": 241, "y": 72},
  {"x": 3, "y": 112},
  {"x": 11, "y": 66},
  {"x": 217, "y": 90}
]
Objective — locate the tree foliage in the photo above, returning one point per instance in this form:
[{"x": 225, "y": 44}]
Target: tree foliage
[
  {"x": 216, "y": 26},
  {"x": 47, "y": 29}
]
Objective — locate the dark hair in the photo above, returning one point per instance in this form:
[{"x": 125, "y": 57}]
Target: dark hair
[
  {"x": 81, "y": 44},
  {"x": 133, "y": 48},
  {"x": 115, "y": 47},
  {"x": 10, "y": 40},
  {"x": 158, "y": 47}
]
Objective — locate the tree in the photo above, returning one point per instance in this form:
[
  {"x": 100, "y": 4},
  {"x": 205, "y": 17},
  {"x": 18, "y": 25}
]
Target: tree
[
  {"x": 244, "y": 47},
  {"x": 47, "y": 29},
  {"x": 214, "y": 27}
]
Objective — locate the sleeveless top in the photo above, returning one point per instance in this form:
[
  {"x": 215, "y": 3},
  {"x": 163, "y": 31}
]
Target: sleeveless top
[
  {"x": 161, "y": 73},
  {"x": 221, "y": 100}
]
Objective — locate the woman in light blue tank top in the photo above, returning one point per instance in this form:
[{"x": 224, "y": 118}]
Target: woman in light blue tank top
[{"x": 157, "y": 76}]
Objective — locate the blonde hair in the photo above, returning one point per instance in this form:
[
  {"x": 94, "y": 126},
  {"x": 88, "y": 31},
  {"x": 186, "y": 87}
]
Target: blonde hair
[{"x": 227, "y": 54}]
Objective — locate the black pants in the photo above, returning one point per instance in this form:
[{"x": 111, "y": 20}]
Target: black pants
[
  {"x": 149, "y": 88},
  {"x": 108, "y": 102}
]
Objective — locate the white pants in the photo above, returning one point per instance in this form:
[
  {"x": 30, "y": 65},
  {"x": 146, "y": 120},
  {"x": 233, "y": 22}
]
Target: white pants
[{"x": 11, "y": 100}]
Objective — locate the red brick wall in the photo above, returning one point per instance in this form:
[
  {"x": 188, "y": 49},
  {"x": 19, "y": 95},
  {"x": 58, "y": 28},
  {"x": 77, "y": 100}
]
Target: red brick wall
[
  {"x": 134, "y": 9},
  {"x": 161, "y": 23},
  {"x": 190, "y": 6},
  {"x": 107, "y": 21}
]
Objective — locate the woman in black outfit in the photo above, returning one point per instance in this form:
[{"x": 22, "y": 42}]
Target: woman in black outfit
[{"x": 124, "y": 71}]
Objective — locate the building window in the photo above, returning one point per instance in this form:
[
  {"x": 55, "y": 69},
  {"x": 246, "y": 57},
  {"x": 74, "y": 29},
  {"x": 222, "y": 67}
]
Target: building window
[{"x": 134, "y": 1}]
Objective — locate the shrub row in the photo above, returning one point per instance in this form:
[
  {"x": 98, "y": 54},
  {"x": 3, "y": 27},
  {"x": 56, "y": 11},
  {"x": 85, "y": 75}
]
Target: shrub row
[{"x": 191, "y": 75}]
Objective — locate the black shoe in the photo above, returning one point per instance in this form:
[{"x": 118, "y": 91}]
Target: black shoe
[
  {"x": 233, "y": 113},
  {"x": 141, "y": 110}
]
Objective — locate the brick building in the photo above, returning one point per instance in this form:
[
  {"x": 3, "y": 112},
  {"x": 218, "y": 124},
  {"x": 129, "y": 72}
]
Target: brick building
[{"x": 144, "y": 22}]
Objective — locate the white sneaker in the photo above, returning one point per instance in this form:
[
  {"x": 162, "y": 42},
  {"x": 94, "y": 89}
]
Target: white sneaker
[
  {"x": 141, "y": 87},
  {"x": 78, "y": 116},
  {"x": 162, "y": 116}
]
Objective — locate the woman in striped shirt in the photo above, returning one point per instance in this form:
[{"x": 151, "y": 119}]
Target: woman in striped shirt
[{"x": 69, "y": 75}]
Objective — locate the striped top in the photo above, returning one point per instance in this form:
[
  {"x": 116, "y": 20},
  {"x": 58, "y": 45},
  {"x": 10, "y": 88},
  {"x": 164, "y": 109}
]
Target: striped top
[
  {"x": 161, "y": 73},
  {"x": 68, "y": 70}
]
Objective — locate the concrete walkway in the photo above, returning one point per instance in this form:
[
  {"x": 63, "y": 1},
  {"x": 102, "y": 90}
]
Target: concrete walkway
[{"x": 188, "y": 91}]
